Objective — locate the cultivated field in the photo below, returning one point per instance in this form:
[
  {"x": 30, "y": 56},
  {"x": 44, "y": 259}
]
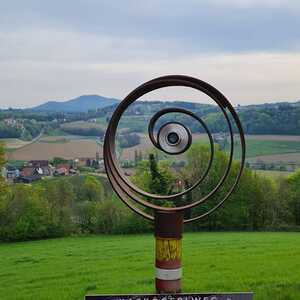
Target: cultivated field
[
  {"x": 273, "y": 148},
  {"x": 13, "y": 143},
  {"x": 50, "y": 147},
  {"x": 270, "y": 147},
  {"x": 64, "y": 138},
  {"x": 81, "y": 124},
  {"x": 277, "y": 158},
  {"x": 265, "y": 148},
  {"x": 266, "y": 263}
]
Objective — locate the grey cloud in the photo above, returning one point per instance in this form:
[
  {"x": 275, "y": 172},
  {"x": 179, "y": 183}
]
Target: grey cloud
[{"x": 203, "y": 26}]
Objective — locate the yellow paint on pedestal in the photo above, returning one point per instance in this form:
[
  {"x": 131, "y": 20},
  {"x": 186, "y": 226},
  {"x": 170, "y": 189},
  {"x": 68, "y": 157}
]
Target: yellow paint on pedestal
[{"x": 168, "y": 249}]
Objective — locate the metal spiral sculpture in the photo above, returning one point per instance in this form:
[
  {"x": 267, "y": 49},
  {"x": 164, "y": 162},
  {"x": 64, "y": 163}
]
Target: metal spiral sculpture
[{"x": 173, "y": 138}]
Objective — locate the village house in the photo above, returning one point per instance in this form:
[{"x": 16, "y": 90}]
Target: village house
[
  {"x": 10, "y": 122},
  {"x": 11, "y": 173},
  {"x": 97, "y": 163},
  {"x": 82, "y": 162},
  {"x": 42, "y": 166},
  {"x": 29, "y": 174},
  {"x": 92, "y": 120},
  {"x": 35, "y": 170},
  {"x": 62, "y": 170},
  {"x": 14, "y": 123}
]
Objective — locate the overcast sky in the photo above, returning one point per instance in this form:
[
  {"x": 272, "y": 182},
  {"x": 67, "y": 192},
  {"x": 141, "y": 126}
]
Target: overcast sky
[{"x": 57, "y": 50}]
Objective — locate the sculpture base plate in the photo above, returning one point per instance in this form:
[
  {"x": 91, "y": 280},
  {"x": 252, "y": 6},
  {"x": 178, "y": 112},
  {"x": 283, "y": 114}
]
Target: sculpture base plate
[{"x": 192, "y": 296}]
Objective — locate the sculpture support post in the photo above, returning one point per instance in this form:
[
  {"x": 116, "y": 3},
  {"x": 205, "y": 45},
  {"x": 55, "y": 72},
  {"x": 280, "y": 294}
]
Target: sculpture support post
[{"x": 168, "y": 233}]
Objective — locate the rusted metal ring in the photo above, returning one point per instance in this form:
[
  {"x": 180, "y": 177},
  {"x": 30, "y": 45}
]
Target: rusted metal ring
[
  {"x": 114, "y": 173},
  {"x": 147, "y": 87},
  {"x": 111, "y": 133}
]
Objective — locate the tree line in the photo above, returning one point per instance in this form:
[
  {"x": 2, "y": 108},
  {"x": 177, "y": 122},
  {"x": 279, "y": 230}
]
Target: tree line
[
  {"x": 26, "y": 130},
  {"x": 278, "y": 118},
  {"x": 86, "y": 204}
]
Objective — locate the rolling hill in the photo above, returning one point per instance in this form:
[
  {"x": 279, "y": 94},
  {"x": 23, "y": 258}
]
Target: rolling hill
[{"x": 80, "y": 104}]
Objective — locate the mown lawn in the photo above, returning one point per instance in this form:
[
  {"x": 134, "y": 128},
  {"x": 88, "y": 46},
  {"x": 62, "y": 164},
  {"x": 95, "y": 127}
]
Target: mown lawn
[{"x": 68, "y": 268}]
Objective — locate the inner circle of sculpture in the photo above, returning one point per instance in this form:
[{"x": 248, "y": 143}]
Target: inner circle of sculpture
[{"x": 172, "y": 138}]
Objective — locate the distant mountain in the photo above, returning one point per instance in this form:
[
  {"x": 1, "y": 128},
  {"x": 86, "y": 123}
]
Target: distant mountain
[{"x": 80, "y": 104}]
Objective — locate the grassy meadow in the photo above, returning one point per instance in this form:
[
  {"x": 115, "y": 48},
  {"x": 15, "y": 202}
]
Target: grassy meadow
[
  {"x": 260, "y": 148},
  {"x": 68, "y": 268}
]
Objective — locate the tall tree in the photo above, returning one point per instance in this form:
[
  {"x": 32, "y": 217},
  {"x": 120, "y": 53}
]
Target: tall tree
[
  {"x": 294, "y": 188},
  {"x": 158, "y": 184},
  {"x": 2, "y": 163}
]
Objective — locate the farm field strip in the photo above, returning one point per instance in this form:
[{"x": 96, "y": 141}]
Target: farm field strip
[
  {"x": 13, "y": 143},
  {"x": 255, "y": 148},
  {"x": 264, "y": 148},
  {"x": 81, "y": 124},
  {"x": 67, "y": 149},
  {"x": 63, "y": 138},
  {"x": 284, "y": 158}
]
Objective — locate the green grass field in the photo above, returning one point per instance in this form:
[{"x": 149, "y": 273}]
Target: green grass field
[
  {"x": 138, "y": 123},
  {"x": 68, "y": 268},
  {"x": 267, "y": 147},
  {"x": 257, "y": 148}
]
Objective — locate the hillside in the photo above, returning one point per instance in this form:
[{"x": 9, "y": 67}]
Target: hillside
[
  {"x": 281, "y": 118},
  {"x": 80, "y": 104}
]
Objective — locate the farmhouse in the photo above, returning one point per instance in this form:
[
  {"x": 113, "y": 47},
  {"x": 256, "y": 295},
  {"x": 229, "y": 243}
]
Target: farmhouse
[
  {"x": 82, "y": 161},
  {"x": 11, "y": 173},
  {"x": 62, "y": 170}
]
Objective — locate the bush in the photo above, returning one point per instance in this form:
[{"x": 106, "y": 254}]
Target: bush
[
  {"x": 129, "y": 140},
  {"x": 64, "y": 206}
]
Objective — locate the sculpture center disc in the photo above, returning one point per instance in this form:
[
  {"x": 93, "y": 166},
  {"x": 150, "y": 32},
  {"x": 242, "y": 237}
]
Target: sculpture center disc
[{"x": 173, "y": 138}]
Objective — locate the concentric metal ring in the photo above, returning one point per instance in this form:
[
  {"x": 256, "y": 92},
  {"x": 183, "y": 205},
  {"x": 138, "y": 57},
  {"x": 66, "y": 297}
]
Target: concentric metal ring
[
  {"x": 125, "y": 189},
  {"x": 111, "y": 132}
]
